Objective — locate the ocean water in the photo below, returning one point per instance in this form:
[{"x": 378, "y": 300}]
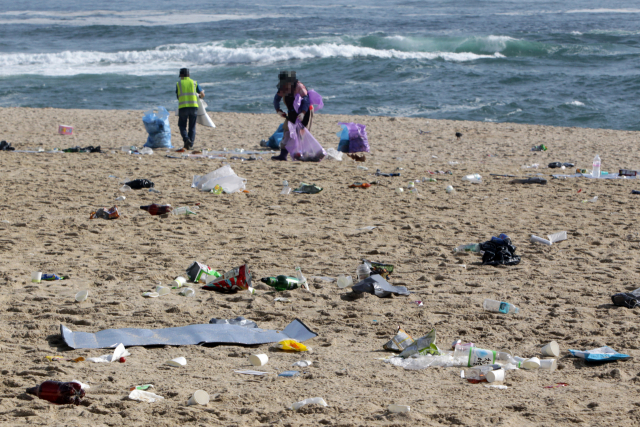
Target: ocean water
[{"x": 572, "y": 63}]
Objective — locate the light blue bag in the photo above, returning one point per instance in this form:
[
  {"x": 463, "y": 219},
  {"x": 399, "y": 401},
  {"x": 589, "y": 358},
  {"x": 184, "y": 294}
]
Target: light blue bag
[{"x": 158, "y": 128}]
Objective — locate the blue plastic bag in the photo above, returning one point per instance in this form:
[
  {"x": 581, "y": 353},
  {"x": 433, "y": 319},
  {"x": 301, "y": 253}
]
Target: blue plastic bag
[
  {"x": 602, "y": 354},
  {"x": 276, "y": 138},
  {"x": 158, "y": 128}
]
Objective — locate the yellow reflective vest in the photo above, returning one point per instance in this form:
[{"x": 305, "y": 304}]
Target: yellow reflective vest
[{"x": 187, "y": 96}]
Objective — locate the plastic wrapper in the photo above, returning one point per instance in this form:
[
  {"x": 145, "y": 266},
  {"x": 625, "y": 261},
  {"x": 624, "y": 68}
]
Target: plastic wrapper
[
  {"x": 601, "y": 354},
  {"x": 401, "y": 341},
  {"x": 423, "y": 345},
  {"x": 416, "y": 362},
  {"x": 233, "y": 280},
  {"x": 291, "y": 345},
  {"x": 105, "y": 213},
  {"x": 198, "y": 272},
  {"x": 302, "y": 146}
]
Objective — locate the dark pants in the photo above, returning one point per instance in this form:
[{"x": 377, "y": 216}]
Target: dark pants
[{"x": 188, "y": 114}]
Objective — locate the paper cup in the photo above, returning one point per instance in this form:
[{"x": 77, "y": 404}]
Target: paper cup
[
  {"x": 177, "y": 362},
  {"x": 530, "y": 364},
  {"x": 36, "y": 276},
  {"x": 548, "y": 364},
  {"x": 82, "y": 295},
  {"x": 552, "y": 349},
  {"x": 163, "y": 290},
  {"x": 399, "y": 408},
  {"x": 258, "y": 359},
  {"x": 200, "y": 397},
  {"x": 180, "y": 282},
  {"x": 187, "y": 292},
  {"x": 497, "y": 375}
]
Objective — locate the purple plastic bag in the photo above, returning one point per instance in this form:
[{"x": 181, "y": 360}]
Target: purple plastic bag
[
  {"x": 302, "y": 145},
  {"x": 358, "y": 140},
  {"x": 314, "y": 99}
]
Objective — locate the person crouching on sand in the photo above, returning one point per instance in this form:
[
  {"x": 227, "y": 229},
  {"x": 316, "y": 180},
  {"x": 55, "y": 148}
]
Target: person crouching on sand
[{"x": 289, "y": 88}]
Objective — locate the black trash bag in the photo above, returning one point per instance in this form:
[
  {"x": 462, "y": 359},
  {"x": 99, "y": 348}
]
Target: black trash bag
[
  {"x": 499, "y": 251},
  {"x": 6, "y": 146},
  {"x": 625, "y": 299},
  {"x": 137, "y": 184}
]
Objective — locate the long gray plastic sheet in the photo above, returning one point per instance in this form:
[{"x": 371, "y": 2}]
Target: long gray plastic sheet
[{"x": 186, "y": 335}]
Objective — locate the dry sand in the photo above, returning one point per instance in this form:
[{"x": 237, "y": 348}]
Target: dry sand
[{"x": 563, "y": 291}]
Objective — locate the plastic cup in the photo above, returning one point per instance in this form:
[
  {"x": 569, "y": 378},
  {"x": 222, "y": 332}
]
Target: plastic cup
[
  {"x": 258, "y": 359},
  {"x": 399, "y": 408},
  {"x": 552, "y": 349},
  {"x": 177, "y": 362},
  {"x": 187, "y": 292},
  {"x": 497, "y": 375},
  {"x": 36, "y": 276},
  {"x": 199, "y": 397},
  {"x": 162, "y": 290},
  {"x": 345, "y": 282},
  {"x": 399, "y": 190},
  {"x": 82, "y": 295},
  {"x": 151, "y": 294},
  {"x": 531, "y": 364},
  {"x": 179, "y": 282},
  {"x": 548, "y": 364}
]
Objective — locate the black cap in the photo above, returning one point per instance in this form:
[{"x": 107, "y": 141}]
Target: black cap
[{"x": 184, "y": 72}]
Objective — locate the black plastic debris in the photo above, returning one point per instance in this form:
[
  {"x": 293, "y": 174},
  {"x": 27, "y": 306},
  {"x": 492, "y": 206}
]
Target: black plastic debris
[
  {"x": 533, "y": 180},
  {"x": 499, "y": 251},
  {"x": 625, "y": 299},
  {"x": 6, "y": 146},
  {"x": 137, "y": 184}
]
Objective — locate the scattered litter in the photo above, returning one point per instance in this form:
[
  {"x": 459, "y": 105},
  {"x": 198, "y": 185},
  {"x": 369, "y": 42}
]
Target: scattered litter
[
  {"x": 289, "y": 374},
  {"x": 499, "y": 387},
  {"x": 399, "y": 409},
  {"x": 61, "y": 393},
  {"x": 344, "y": 281},
  {"x": 307, "y": 189},
  {"x": 499, "y": 251},
  {"x": 82, "y": 295},
  {"x": 199, "y": 397},
  {"x": 105, "y": 213},
  {"x": 65, "y": 130},
  {"x": 177, "y": 362},
  {"x": 399, "y": 342},
  {"x": 224, "y": 177},
  {"x": 197, "y": 272},
  {"x": 187, "y": 292},
  {"x": 595, "y": 199},
  {"x": 557, "y": 385},
  {"x": 378, "y": 286},
  {"x": 313, "y": 400},
  {"x": 419, "y": 303},
  {"x": 119, "y": 352},
  {"x": 303, "y": 363},
  {"x": 291, "y": 345},
  {"x": 280, "y": 299},
  {"x": 186, "y": 335},
  {"x": 368, "y": 228},
  {"x": 532, "y": 180},
  {"x": 141, "y": 387},
  {"x": 125, "y": 188},
  {"x": 250, "y": 372},
  {"x": 324, "y": 278},
  {"x": 144, "y": 396},
  {"x": 236, "y": 279},
  {"x": 601, "y": 354},
  {"x": 626, "y": 299},
  {"x": 52, "y": 358},
  {"x": 473, "y": 178},
  {"x": 500, "y": 307},
  {"x": 552, "y": 349},
  {"x": 258, "y": 359},
  {"x": 423, "y": 345},
  {"x": 334, "y": 154}
]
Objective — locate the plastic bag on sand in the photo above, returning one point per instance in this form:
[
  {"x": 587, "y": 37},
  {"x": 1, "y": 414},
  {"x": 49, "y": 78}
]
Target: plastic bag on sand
[
  {"x": 158, "y": 128},
  {"x": 334, "y": 154},
  {"x": 203, "y": 118},
  {"x": 416, "y": 362},
  {"x": 302, "y": 145},
  {"x": 106, "y": 358},
  {"x": 144, "y": 396},
  {"x": 356, "y": 134},
  {"x": 225, "y": 177}
]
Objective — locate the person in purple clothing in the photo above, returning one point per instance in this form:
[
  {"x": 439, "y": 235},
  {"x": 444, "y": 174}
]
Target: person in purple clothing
[{"x": 291, "y": 90}]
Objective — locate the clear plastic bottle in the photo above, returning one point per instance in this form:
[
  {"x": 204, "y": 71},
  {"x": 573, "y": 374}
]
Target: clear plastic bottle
[
  {"x": 473, "y": 178},
  {"x": 183, "y": 210},
  {"x": 472, "y": 247},
  {"x": 362, "y": 272},
  {"x": 301, "y": 279},
  {"x": 596, "y": 167},
  {"x": 500, "y": 307},
  {"x": 285, "y": 187}
]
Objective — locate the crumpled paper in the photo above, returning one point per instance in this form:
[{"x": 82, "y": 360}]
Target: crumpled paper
[
  {"x": 119, "y": 352},
  {"x": 144, "y": 396}
]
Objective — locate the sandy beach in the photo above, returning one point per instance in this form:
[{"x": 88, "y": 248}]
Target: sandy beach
[{"x": 563, "y": 291}]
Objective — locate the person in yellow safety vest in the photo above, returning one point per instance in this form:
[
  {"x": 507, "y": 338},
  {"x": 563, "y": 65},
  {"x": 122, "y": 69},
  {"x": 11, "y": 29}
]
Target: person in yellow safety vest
[{"x": 187, "y": 92}]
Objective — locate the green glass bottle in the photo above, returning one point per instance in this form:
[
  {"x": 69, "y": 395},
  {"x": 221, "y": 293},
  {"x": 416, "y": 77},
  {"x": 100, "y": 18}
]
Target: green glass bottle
[{"x": 281, "y": 283}]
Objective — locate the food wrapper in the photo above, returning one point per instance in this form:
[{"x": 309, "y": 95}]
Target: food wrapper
[
  {"x": 236, "y": 279},
  {"x": 199, "y": 273},
  {"x": 401, "y": 341},
  {"x": 105, "y": 213},
  {"x": 379, "y": 268},
  {"x": 291, "y": 345}
]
